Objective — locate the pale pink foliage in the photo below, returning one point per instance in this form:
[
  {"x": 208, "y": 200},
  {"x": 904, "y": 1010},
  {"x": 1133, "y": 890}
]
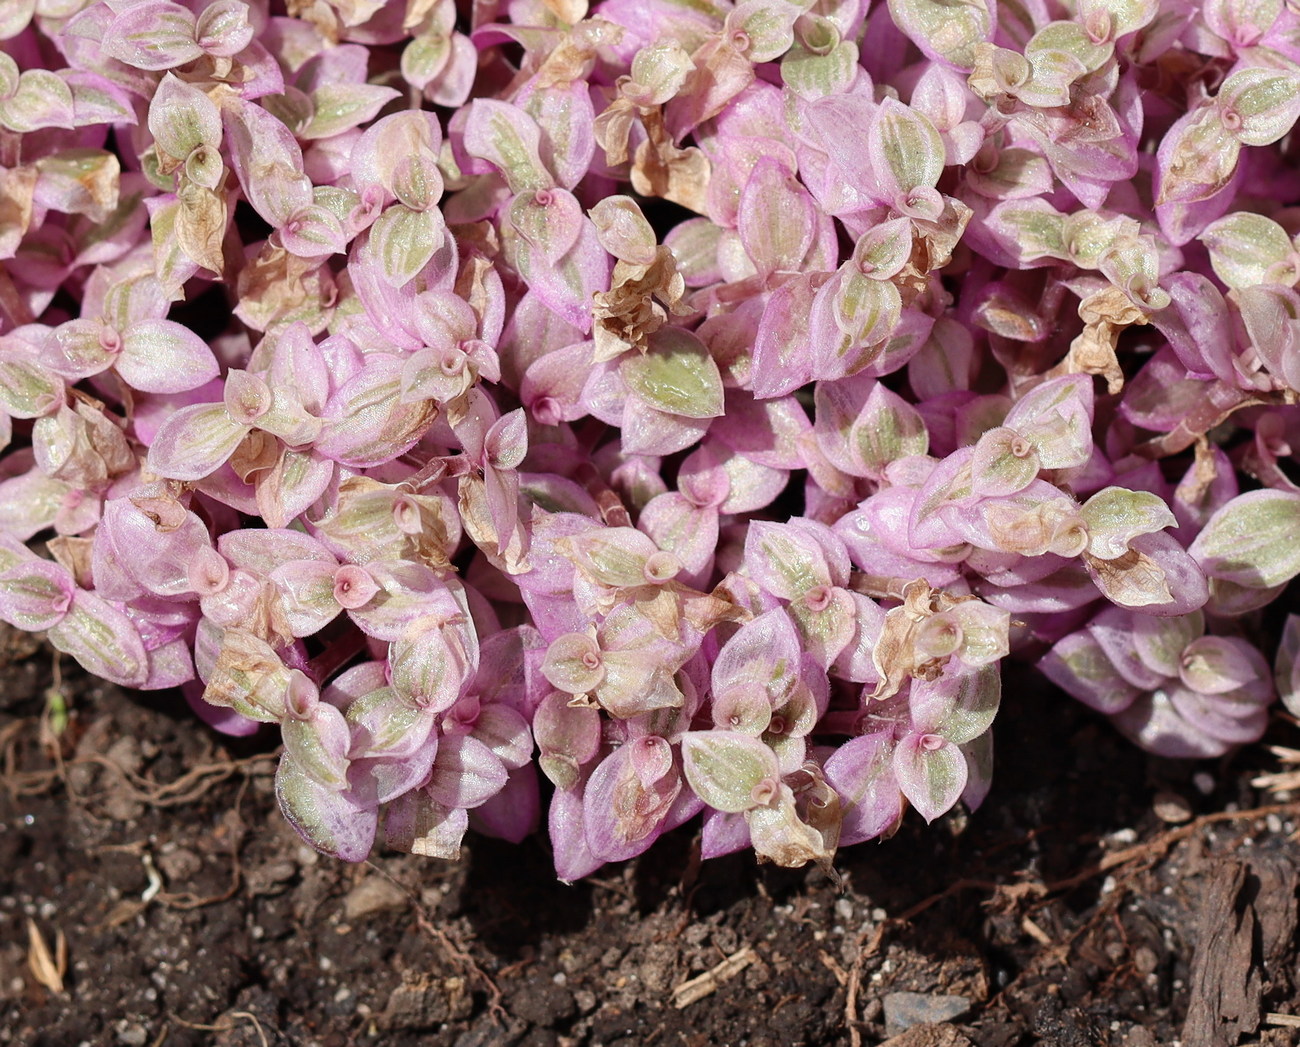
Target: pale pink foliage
[{"x": 976, "y": 326}]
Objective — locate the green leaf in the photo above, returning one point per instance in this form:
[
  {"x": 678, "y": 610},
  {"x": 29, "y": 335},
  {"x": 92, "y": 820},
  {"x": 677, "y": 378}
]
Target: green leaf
[
  {"x": 1115, "y": 516},
  {"x": 303, "y": 741},
  {"x": 330, "y": 820},
  {"x": 888, "y": 428},
  {"x": 1126, "y": 16},
  {"x": 1198, "y": 158},
  {"x": 866, "y": 310},
  {"x": 727, "y": 768},
  {"x": 1032, "y": 229},
  {"x": 931, "y": 772},
  {"x": 43, "y": 99},
  {"x": 402, "y": 241},
  {"x": 385, "y": 723},
  {"x": 948, "y": 29},
  {"x": 103, "y": 639},
  {"x": 340, "y": 107},
  {"x": 907, "y": 144},
  {"x": 1244, "y": 246},
  {"x": 424, "y": 58},
  {"x": 1258, "y": 105},
  {"x": 1159, "y": 642},
  {"x": 812, "y": 76},
  {"x": 1068, "y": 38},
  {"x": 976, "y": 704},
  {"x": 677, "y": 375},
  {"x": 1253, "y": 541},
  {"x": 28, "y": 391},
  {"x": 182, "y": 118}
]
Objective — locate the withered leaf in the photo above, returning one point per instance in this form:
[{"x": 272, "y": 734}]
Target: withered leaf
[
  {"x": 47, "y": 967},
  {"x": 201, "y": 225}
]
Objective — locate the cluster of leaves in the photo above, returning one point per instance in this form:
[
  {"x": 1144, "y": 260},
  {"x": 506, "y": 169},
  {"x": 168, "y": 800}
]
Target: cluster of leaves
[{"x": 977, "y": 321}]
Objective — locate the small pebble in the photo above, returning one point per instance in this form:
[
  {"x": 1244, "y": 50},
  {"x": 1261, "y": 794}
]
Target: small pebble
[
  {"x": 1145, "y": 960},
  {"x": 905, "y": 1009},
  {"x": 132, "y": 1034},
  {"x": 1171, "y": 808},
  {"x": 1138, "y": 1036},
  {"x": 372, "y": 895}
]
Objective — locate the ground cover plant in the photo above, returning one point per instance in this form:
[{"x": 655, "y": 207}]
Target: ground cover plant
[{"x": 652, "y": 410}]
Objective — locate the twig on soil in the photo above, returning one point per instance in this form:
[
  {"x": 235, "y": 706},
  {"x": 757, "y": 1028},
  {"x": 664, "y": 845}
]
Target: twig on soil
[
  {"x": 21, "y": 783},
  {"x": 511, "y": 969},
  {"x": 225, "y": 1027},
  {"x": 953, "y": 888},
  {"x": 828, "y": 961},
  {"x": 186, "y": 900},
  {"x": 187, "y": 789},
  {"x": 855, "y": 979},
  {"x": 1273, "y": 1018},
  {"x": 710, "y": 981},
  {"x": 463, "y": 960},
  {"x": 1129, "y": 864},
  {"x": 614, "y": 887},
  {"x": 1034, "y": 931},
  {"x": 1155, "y": 849},
  {"x": 458, "y": 956},
  {"x": 1132, "y": 861}
]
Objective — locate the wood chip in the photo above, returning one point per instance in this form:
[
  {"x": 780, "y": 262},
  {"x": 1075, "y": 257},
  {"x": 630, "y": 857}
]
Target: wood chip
[
  {"x": 46, "y": 967},
  {"x": 710, "y": 981},
  {"x": 1225, "y": 990},
  {"x": 1034, "y": 931},
  {"x": 1247, "y": 924},
  {"x": 828, "y": 961}
]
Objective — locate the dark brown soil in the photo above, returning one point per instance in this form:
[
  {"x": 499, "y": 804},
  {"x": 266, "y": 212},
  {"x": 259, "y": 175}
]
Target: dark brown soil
[{"x": 1065, "y": 912}]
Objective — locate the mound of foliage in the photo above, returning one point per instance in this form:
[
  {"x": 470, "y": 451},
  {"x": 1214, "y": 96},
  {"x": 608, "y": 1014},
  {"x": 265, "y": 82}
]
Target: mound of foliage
[{"x": 690, "y": 401}]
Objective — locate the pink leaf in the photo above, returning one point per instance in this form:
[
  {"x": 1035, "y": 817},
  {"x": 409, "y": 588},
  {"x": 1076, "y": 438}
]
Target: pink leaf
[
  {"x": 931, "y": 773},
  {"x": 194, "y": 442},
  {"x": 161, "y": 356},
  {"x": 339, "y": 823},
  {"x": 152, "y": 35}
]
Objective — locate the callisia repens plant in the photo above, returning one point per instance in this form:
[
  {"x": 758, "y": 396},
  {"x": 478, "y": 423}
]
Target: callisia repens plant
[{"x": 687, "y": 403}]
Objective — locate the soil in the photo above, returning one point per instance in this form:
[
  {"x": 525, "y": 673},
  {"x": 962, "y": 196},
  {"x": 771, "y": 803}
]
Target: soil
[{"x": 1099, "y": 897}]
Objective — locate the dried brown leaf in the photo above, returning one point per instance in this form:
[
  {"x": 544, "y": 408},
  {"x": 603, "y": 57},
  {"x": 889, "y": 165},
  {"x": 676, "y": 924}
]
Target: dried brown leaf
[
  {"x": 661, "y": 169},
  {"x": 46, "y": 967},
  {"x": 201, "y": 225},
  {"x": 1105, "y": 314},
  {"x": 17, "y": 188}
]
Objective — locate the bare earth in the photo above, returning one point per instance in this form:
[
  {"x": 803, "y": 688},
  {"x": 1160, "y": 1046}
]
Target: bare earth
[{"x": 1099, "y": 897}]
